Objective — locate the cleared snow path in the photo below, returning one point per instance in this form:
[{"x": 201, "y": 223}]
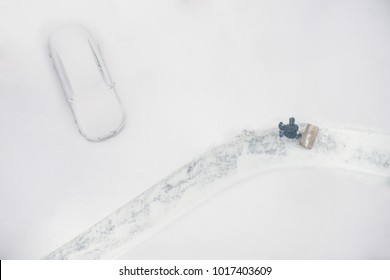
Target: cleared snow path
[{"x": 249, "y": 154}]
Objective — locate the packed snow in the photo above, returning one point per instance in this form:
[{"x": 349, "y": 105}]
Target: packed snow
[
  {"x": 191, "y": 74},
  {"x": 202, "y": 178}
]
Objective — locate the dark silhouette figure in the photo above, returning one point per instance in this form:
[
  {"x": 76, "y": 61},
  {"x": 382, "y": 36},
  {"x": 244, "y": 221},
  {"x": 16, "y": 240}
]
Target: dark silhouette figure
[{"x": 289, "y": 130}]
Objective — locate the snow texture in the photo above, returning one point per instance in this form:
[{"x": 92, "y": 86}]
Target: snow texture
[
  {"x": 250, "y": 153},
  {"x": 191, "y": 74}
]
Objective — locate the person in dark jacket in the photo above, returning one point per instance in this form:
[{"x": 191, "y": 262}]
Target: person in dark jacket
[{"x": 289, "y": 130}]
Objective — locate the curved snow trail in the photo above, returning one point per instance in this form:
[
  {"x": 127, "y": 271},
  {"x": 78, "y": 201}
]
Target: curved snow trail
[{"x": 197, "y": 181}]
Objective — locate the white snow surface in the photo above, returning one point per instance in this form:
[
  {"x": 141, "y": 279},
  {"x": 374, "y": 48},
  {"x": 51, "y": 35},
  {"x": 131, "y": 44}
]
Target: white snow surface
[
  {"x": 191, "y": 74},
  {"x": 293, "y": 213},
  {"x": 202, "y": 178}
]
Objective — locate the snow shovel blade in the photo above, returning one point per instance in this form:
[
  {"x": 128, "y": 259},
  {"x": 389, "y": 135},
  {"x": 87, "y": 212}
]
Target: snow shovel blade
[
  {"x": 86, "y": 82},
  {"x": 309, "y": 136}
]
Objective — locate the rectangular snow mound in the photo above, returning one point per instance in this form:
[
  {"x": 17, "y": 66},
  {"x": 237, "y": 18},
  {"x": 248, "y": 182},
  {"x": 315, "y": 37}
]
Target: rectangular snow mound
[{"x": 309, "y": 136}]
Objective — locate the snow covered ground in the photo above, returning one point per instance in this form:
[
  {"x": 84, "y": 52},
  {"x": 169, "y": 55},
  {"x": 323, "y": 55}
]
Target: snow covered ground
[
  {"x": 191, "y": 75},
  {"x": 332, "y": 215},
  {"x": 230, "y": 164}
]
